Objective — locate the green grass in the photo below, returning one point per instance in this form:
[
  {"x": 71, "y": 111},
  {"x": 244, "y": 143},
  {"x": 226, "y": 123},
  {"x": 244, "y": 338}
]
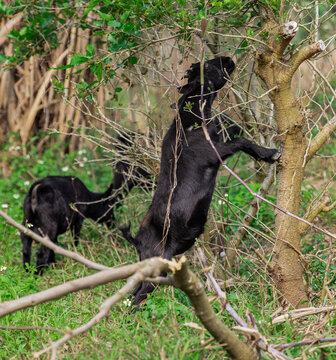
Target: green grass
[{"x": 161, "y": 330}]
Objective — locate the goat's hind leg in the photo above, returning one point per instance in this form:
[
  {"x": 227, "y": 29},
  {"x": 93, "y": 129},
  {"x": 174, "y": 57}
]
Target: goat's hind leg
[{"x": 258, "y": 152}]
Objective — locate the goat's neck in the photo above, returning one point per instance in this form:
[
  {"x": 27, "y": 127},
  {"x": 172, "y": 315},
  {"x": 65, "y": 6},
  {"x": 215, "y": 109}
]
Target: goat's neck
[
  {"x": 191, "y": 115},
  {"x": 99, "y": 204}
]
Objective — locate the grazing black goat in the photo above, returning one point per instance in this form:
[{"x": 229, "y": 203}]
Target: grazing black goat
[
  {"x": 55, "y": 204},
  {"x": 188, "y": 169}
]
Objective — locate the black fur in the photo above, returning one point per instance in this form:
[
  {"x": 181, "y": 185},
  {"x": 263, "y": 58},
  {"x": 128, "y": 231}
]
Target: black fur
[
  {"x": 55, "y": 204},
  {"x": 48, "y": 211},
  {"x": 170, "y": 230}
]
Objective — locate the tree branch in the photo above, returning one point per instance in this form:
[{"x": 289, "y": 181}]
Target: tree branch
[
  {"x": 319, "y": 140},
  {"x": 308, "y": 342},
  {"x": 295, "y": 314},
  {"x": 261, "y": 343},
  {"x": 57, "y": 249},
  {"x": 305, "y": 53},
  {"x": 151, "y": 267},
  {"x": 285, "y": 35},
  {"x": 8, "y": 27},
  {"x": 87, "y": 282},
  {"x": 188, "y": 282},
  {"x": 314, "y": 210}
]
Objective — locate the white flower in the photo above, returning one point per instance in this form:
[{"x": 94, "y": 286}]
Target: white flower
[
  {"x": 65, "y": 168},
  {"x": 16, "y": 196},
  {"x": 80, "y": 152},
  {"x": 17, "y": 147},
  {"x": 81, "y": 165},
  {"x": 85, "y": 159},
  {"x": 27, "y": 156},
  {"x": 26, "y": 183},
  {"x": 17, "y": 233},
  {"x": 127, "y": 302},
  {"x": 3, "y": 268},
  {"x": 226, "y": 195},
  {"x": 11, "y": 148},
  {"x": 29, "y": 225},
  {"x": 40, "y": 162},
  {"x": 4, "y": 206},
  {"x": 89, "y": 172},
  {"x": 220, "y": 202}
]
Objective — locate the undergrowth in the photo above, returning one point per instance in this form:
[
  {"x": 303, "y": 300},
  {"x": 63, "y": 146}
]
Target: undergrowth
[{"x": 167, "y": 328}]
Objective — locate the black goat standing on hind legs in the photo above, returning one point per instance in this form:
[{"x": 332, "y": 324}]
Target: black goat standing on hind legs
[
  {"x": 188, "y": 170},
  {"x": 55, "y": 204}
]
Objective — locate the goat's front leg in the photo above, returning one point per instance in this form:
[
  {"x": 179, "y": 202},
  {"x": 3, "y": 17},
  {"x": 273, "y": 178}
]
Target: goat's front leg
[
  {"x": 46, "y": 256},
  {"x": 258, "y": 152},
  {"x": 26, "y": 250}
]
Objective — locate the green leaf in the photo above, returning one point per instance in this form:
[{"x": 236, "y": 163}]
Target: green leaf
[
  {"x": 132, "y": 60},
  {"x": 106, "y": 17},
  {"x": 114, "y": 23},
  {"x": 3, "y": 58},
  {"x": 118, "y": 89},
  {"x": 23, "y": 31},
  {"x": 90, "y": 7},
  {"x": 63, "y": 67},
  {"x": 78, "y": 59},
  {"x": 249, "y": 32},
  {"x": 99, "y": 71},
  {"x": 124, "y": 16},
  {"x": 90, "y": 50},
  {"x": 129, "y": 26},
  {"x": 3, "y": 7}
]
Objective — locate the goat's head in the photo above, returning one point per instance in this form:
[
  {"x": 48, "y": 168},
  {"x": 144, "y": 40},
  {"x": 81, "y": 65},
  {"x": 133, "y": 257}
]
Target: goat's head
[{"x": 216, "y": 73}]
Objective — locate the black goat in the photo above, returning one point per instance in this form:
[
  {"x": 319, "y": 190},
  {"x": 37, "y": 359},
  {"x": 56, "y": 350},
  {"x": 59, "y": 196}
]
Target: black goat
[
  {"x": 188, "y": 170},
  {"x": 55, "y": 204}
]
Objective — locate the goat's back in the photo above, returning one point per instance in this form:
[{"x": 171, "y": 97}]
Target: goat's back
[{"x": 55, "y": 189}]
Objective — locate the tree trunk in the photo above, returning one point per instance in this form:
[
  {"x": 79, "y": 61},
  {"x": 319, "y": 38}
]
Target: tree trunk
[
  {"x": 288, "y": 271},
  {"x": 277, "y": 70}
]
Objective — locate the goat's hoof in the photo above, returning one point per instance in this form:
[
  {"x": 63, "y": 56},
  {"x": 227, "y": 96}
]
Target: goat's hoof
[{"x": 276, "y": 155}]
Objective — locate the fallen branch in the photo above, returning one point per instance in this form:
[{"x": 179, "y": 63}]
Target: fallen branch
[
  {"x": 149, "y": 268},
  {"x": 243, "y": 326},
  {"x": 142, "y": 271},
  {"x": 295, "y": 314},
  {"x": 307, "y": 342},
  {"x": 88, "y": 282},
  {"x": 188, "y": 282}
]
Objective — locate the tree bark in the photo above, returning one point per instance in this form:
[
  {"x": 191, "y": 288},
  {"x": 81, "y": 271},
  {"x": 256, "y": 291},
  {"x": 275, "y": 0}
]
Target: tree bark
[{"x": 277, "y": 71}]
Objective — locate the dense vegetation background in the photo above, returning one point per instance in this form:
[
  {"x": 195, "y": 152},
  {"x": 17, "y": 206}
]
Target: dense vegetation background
[{"x": 74, "y": 74}]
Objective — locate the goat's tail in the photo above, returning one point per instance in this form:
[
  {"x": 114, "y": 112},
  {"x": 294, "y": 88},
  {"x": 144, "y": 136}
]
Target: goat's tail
[
  {"x": 126, "y": 232},
  {"x": 41, "y": 192}
]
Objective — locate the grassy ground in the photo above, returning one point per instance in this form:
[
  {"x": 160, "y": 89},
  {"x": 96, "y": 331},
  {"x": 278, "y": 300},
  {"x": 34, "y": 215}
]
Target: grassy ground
[{"x": 167, "y": 328}]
